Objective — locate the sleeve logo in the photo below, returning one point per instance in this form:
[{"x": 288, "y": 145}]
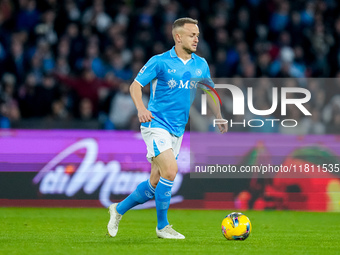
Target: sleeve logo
[{"x": 142, "y": 69}]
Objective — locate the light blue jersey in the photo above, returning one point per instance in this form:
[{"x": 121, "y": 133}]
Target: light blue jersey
[{"x": 173, "y": 88}]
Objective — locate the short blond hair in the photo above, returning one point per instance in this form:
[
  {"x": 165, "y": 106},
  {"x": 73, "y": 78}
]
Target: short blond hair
[{"x": 180, "y": 22}]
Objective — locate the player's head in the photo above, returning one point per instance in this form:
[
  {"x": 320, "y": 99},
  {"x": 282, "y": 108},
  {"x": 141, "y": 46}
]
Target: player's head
[{"x": 185, "y": 33}]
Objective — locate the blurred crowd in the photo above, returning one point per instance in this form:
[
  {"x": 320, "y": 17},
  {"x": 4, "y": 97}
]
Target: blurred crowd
[{"x": 73, "y": 60}]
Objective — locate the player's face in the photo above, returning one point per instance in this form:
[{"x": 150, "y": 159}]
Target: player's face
[{"x": 189, "y": 36}]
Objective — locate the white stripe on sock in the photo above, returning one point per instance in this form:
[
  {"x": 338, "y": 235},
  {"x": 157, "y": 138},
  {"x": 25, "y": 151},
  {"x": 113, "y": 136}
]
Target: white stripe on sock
[
  {"x": 150, "y": 186},
  {"x": 170, "y": 185},
  {"x": 167, "y": 181}
]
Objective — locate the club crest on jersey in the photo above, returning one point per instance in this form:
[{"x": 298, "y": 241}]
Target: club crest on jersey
[
  {"x": 198, "y": 72},
  {"x": 172, "y": 83},
  {"x": 171, "y": 70}
]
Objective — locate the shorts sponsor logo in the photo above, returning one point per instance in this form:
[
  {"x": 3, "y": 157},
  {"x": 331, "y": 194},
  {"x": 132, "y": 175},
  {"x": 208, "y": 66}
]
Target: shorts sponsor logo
[{"x": 162, "y": 142}]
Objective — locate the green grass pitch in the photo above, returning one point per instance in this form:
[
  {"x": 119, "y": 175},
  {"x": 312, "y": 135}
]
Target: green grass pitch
[{"x": 83, "y": 231}]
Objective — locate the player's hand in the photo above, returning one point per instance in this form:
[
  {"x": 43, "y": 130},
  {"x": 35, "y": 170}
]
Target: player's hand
[
  {"x": 223, "y": 128},
  {"x": 145, "y": 115}
]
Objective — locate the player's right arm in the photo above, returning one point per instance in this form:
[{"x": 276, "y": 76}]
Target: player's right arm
[
  {"x": 144, "y": 115},
  {"x": 144, "y": 77}
]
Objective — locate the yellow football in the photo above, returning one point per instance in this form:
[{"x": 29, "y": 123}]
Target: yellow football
[{"x": 236, "y": 226}]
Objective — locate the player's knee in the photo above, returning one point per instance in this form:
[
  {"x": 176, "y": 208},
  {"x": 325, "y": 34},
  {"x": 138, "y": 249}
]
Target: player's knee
[
  {"x": 170, "y": 174},
  {"x": 154, "y": 181}
]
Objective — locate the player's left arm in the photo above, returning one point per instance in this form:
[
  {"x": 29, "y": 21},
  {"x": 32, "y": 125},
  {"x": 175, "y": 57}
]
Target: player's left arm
[
  {"x": 214, "y": 105},
  {"x": 214, "y": 102}
]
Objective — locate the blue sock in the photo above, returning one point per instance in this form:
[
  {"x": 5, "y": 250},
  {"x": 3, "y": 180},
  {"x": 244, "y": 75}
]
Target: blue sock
[
  {"x": 144, "y": 192},
  {"x": 163, "y": 196}
]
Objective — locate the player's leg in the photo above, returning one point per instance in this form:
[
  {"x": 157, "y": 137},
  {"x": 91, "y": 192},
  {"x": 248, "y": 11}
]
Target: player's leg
[
  {"x": 143, "y": 193},
  {"x": 167, "y": 165},
  {"x": 155, "y": 174}
]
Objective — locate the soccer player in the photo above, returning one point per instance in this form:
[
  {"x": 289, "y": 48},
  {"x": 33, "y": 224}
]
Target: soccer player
[{"x": 172, "y": 76}]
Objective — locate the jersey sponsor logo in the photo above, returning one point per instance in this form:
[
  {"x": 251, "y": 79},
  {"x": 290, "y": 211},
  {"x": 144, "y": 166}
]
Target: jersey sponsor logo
[
  {"x": 142, "y": 69},
  {"x": 172, "y": 83},
  {"x": 187, "y": 84},
  {"x": 171, "y": 70},
  {"x": 162, "y": 142},
  {"x": 182, "y": 85}
]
